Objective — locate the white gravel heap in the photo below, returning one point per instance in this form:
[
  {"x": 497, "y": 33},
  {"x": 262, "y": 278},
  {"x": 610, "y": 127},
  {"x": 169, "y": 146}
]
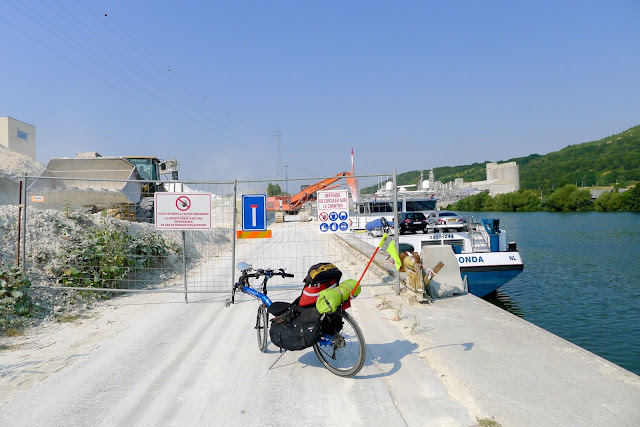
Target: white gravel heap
[
  {"x": 49, "y": 230},
  {"x": 12, "y": 166}
]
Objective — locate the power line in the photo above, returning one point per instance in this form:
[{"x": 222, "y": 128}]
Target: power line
[
  {"x": 129, "y": 63},
  {"x": 69, "y": 60}
]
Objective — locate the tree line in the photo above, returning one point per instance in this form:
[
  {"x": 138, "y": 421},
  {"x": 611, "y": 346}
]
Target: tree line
[
  {"x": 610, "y": 161},
  {"x": 567, "y": 198}
]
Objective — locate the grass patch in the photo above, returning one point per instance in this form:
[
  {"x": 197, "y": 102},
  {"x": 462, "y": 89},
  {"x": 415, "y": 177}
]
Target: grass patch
[
  {"x": 415, "y": 326},
  {"x": 385, "y": 304},
  {"x": 68, "y": 318},
  {"x": 486, "y": 422},
  {"x": 10, "y": 332}
]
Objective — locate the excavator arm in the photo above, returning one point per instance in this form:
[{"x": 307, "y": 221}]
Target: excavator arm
[
  {"x": 299, "y": 199},
  {"x": 295, "y": 202}
]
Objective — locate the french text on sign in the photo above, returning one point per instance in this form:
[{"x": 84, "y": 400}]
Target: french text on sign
[
  {"x": 182, "y": 211},
  {"x": 333, "y": 211}
]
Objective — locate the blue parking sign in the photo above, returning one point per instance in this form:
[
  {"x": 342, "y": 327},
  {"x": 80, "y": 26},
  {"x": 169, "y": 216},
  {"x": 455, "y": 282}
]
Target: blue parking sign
[{"x": 254, "y": 212}]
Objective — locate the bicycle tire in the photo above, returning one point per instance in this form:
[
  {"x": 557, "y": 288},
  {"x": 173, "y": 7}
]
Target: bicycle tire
[
  {"x": 346, "y": 354},
  {"x": 262, "y": 327}
]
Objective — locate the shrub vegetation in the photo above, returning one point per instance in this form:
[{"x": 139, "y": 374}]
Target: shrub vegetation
[
  {"x": 567, "y": 198},
  {"x": 14, "y": 299},
  {"x": 103, "y": 256}
]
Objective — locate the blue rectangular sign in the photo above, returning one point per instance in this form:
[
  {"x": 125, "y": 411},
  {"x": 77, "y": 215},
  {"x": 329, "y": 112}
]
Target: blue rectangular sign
[{"x": 254, "y": 212}]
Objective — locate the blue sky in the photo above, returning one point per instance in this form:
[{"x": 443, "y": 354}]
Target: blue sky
[{"x": 408, "y": 85}]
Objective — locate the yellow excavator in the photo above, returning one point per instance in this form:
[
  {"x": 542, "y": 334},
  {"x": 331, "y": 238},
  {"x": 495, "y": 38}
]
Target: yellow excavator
[{"x": 124, "y": 186}]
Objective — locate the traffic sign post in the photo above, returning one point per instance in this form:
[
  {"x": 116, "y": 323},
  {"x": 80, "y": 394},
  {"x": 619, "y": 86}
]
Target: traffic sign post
[
  {"x": 254, "y": 212},
  {"x": 333, "y": 211}
]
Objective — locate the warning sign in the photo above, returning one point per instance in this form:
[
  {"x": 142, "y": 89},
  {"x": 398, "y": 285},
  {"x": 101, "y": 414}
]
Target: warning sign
[
  {"x": 333, "y": 211},
  {"x": 183, "y": 211}
]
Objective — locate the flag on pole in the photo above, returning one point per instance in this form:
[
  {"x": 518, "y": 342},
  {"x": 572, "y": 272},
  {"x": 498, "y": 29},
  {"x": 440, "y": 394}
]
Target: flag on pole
[{"x": 393, "y": 252}]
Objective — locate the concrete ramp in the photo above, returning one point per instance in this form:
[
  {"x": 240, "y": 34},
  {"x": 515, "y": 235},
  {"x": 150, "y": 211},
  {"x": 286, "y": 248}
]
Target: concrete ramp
[{"x": 447, "y": 282}]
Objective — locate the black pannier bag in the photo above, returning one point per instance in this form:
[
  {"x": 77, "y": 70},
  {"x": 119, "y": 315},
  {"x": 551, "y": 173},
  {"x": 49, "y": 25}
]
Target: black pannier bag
[
  {"x": 331, "y": 325},
  {"x": 296, "y": 329}
]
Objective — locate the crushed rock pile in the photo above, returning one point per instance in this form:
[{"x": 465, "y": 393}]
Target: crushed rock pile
[
  {"x": 12, "y": 166},
  {"x": 48, "y": 230}
]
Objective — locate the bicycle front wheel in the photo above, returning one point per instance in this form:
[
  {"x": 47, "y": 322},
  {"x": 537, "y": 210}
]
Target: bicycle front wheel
[
  {"x": 345, "y": 353},
  {"x": 262, "y": 327}
]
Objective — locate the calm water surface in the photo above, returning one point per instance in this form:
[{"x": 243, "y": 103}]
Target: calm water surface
[{"x": 581, "y": 279}]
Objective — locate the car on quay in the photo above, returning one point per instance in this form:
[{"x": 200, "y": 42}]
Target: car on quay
[
  {"x": 412, "y": 221},
  {"x": 446, "y": 221}
]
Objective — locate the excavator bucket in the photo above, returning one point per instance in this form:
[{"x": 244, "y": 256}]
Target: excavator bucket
[{"x": 103, "y": 182}]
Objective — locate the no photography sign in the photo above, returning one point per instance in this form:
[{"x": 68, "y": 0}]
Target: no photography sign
[{"x": 183, "y": 211}]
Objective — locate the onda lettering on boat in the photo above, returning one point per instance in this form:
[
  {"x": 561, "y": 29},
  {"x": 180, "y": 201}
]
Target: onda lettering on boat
[{"x": 464, "y": 259}]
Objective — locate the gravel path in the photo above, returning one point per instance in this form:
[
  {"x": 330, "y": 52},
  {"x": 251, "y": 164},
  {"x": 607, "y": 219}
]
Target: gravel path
[{"x": 153, "y": 360}]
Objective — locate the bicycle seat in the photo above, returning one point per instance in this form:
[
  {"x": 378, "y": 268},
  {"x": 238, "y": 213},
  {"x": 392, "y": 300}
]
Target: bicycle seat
[{"x": 279, "y": 307}]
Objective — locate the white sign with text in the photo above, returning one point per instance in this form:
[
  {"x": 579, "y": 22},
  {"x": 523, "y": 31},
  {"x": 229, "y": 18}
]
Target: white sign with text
[
  {"x": 183, "y": 211},
  {"x": 333, "y": 211}
]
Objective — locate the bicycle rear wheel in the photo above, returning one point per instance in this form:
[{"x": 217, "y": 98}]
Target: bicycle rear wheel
[
  {"x": 262, "y": 328},
  {"x": 345, "y": 353}
]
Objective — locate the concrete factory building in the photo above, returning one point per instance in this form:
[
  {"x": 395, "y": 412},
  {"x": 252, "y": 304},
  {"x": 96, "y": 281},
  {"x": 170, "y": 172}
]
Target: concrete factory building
[
  {"x": 503, "y": 178},
  {"x": 18, "y": 136}
]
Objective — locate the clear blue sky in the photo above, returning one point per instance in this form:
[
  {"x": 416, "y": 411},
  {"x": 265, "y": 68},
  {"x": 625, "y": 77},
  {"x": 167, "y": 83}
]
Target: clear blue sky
[{"x": 409, "y": 85}]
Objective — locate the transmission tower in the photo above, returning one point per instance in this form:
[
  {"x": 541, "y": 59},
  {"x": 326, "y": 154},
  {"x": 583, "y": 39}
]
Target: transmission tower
[{"x": 278, "y": 136}]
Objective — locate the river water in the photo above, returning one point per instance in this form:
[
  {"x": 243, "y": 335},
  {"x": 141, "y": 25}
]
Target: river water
[{"x": 581, "y": 279}]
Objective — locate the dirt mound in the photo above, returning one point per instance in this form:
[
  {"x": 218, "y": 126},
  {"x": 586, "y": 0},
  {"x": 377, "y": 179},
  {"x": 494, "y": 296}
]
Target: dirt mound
[{"x": 12, "y": 166}]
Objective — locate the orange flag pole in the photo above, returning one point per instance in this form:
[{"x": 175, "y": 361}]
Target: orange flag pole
[{"x": 384, "y": 237}]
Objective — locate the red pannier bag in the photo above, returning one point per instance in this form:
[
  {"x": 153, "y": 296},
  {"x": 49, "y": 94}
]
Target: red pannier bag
[
  {"x": 310, "y": 292},
  {"x": 320, "y": 276}
]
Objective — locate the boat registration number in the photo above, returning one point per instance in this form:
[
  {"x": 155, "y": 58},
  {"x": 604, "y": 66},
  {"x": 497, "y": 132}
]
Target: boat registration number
[{"x": 440, "y": 236}]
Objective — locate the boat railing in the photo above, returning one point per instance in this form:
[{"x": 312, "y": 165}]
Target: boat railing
[{"x": 478, "y": 235}]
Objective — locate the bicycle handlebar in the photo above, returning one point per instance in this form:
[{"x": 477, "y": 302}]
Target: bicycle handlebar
[{"x": 268, "y": 272}]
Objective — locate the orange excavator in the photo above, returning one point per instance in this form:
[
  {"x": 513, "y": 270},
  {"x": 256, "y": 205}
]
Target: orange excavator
[{"x": 293, "y": 204}]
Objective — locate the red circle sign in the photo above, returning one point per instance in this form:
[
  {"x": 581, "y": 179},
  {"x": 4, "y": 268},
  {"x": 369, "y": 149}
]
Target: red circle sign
[
  {"x": 183, "y": 203},
  {"x": 323, "y": 216}
]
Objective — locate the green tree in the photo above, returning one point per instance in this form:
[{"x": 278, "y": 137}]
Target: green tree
[
  {"x": 609, "y": 201},
  {"x": 476, "y": 203},
  {"x": 274, "y": 190},
  {"x": 631, "y": 199},
  {"x": 529, "y": 201},
  {"x": 568, "y": 198}
]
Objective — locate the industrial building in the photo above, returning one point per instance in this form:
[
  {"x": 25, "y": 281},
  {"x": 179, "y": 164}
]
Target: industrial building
[
  {"x": 18, "y": 136},
  {"x": 501, "y": 178}
]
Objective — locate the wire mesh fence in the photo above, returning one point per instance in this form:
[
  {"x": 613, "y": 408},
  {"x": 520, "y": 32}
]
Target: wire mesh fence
[{"x": 103, "y": 234}]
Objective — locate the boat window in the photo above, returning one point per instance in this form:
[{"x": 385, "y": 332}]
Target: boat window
[
  {"x": 381, "y": 207},
  {"x": 420, "y": 205}
]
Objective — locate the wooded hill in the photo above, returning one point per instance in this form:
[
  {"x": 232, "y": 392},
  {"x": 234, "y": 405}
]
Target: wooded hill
[{"x": 611, "y": 160}]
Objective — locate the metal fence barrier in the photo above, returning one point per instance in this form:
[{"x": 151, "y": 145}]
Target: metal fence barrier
[{"x": 96, "y": 234}]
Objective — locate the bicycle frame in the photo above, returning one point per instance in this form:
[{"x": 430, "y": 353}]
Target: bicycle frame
[
  {"x": 325, "y": 340},
  {"x": 257, "y": 295},
  {"x": 343, "y": 354}
]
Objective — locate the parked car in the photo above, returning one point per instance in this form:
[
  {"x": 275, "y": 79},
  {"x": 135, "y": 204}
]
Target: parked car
[
  {"x": 446, "y": 220},
  {"x": 412, "y": 221}
]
